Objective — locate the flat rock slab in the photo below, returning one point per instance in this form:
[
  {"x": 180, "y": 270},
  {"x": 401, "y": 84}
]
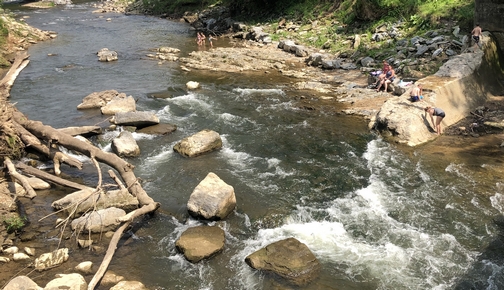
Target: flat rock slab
[
  {"x": 139, "y": 119},
  {"x": 114, "y": 198},
  {"x": 83, "y": 130},
  {"x": 159, "y": 129},
  {"x": 49, "y": 260},
  {"x": 99, "y": 221},
  {"x": 99, "y": 99},
  {"x": 199, "y": 143},
  {"x": 200, "y": 242}
]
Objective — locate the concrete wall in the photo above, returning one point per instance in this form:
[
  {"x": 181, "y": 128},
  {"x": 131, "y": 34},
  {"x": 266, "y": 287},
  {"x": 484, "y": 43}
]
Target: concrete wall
[{"x": 460, "y": 96}]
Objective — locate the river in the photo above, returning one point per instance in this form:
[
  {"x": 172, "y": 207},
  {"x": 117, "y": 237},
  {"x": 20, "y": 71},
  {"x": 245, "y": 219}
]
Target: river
[{"x": 375, "y": 214}]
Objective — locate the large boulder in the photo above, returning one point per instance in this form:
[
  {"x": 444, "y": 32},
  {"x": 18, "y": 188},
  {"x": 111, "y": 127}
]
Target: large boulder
[
  {"x": 118, "y": 104},
  {"x": 72, "y": 281},
  {"x": 49, "y": 260},
  {"x": 85, "y": 201},
  {"x": 212, "y": 199},
  {"x": 200, "y": 242},
  {"x": 199, "y": 143},
  {"x": 125, "y": 145},
  {"x": 139, "y": 119},
  {"x": 22, "y": 282},
  {"x": 287, "y": 258},
  {"x": 99, "y": 99},
  {"x": 405, "y": 122},
  {"x": 99, "y": 221}
]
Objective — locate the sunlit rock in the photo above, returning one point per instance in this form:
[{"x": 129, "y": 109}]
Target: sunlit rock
[
  {"x": 200, "y": 242},
  {"x": 287, "y": 258},
  {"x": 52, "y": 259},
  {"x": 212, "y": 198},
  {"x": 199, "y": 143}
]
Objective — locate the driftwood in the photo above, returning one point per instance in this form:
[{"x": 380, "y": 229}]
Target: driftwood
[
  {"x": 116, "y": 179},
  {"x": 113, "y": 243},
  {"x": 20, "y": 62},
  {"x": 55, "y": 137},
  {"x": 30, "y": 193},
  {"x": 84, "y": 130},
  {"x": 32, "y": 132},
  {"x": 124, "y": 169},
  {"x": 49, "y": 177},
  {"x": 31, "y": 141}
]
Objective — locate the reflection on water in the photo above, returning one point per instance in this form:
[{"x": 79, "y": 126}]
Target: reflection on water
[{"x": 375, "y": 215}]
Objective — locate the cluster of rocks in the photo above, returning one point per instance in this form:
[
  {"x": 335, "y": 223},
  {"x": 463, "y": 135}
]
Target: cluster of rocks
[
  {"x": 25, "y": 35},
  {"x": 123, "y": 113},
  {"x": 212, "y": 199},
  {"x": 165, "y": 54},
  {"x": 106, "y": 55},
  {"x": 51, "y": 260}
]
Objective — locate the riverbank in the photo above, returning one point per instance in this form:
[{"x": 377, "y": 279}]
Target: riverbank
[{"x": 316, "y": 100}]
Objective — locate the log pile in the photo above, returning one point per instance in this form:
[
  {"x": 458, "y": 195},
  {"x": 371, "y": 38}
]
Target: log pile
[{"x": 46, "y": 141}]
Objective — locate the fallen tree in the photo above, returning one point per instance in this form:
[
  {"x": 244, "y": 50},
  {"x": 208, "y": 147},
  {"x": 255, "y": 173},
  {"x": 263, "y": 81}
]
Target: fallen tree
[{"x": 34, "y": 134}]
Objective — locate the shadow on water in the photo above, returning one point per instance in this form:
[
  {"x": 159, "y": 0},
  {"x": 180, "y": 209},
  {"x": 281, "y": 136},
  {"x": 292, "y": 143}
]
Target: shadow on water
[{"x": 487, "y": 271}]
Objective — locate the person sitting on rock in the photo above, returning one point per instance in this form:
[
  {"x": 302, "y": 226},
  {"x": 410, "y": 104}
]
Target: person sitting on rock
[
  {"x": 389, "y": 77},
  {"x": 416, "y": 93},
  {"x": 381, "y": 76}
]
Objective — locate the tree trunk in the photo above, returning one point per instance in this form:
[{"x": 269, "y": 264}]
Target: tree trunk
[{"x": 55, "y": 137}]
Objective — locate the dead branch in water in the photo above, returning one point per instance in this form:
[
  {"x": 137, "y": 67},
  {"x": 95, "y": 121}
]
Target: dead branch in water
[
  {"x": 20, "y": 62},
  {"x": 32, "y": 133},
  {"x": 30, "y": 193},
  {"x": 49, "y": 177}
]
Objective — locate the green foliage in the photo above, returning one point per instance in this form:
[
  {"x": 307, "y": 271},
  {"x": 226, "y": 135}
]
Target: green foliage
[
  {"x": 4, "y": 32},
  {"x": 158, "y": 7},
  {"x": 14, "y": 223}
]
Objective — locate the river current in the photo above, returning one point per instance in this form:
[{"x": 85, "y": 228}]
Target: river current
[{"x": 377, "y": 216}]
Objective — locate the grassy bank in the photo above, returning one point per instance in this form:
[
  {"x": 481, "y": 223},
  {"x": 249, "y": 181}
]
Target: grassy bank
[{"x": 328, "y": 24}]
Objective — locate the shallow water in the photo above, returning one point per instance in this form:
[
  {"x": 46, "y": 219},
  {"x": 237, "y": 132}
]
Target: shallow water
[{"x": 377, "y": 216}]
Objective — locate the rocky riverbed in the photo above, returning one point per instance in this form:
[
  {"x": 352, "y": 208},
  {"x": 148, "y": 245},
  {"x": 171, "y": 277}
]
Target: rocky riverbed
[{"x": 317, "y": 87}]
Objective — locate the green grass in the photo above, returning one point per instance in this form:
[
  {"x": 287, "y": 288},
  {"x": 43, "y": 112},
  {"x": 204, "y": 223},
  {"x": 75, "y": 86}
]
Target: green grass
[{"x": 14, "y": 223}]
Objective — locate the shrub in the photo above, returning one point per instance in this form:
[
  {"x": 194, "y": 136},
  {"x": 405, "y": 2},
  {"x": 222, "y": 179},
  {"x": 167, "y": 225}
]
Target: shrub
[{"x": 14, "y": 223}]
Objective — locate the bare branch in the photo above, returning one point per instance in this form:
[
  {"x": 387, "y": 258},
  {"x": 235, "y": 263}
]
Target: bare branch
[{"x": 30, "y": 193}]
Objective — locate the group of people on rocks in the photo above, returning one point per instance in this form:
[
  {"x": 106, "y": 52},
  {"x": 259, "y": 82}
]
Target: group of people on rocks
[
  {"x": 387, "y": 76},
  {"x": 201, "y": 39}
]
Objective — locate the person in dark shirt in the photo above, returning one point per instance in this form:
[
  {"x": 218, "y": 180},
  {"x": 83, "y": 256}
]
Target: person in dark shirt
[{"x": 440, "y": 114}]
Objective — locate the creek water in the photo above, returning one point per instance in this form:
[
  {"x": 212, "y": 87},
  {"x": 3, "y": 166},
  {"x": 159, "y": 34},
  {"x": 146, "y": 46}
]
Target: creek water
[{"x": 377, "y": 216}]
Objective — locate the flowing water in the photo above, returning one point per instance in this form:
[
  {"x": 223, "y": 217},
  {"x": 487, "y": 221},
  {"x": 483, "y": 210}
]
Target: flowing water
[{"x": 376, "y": 216}]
